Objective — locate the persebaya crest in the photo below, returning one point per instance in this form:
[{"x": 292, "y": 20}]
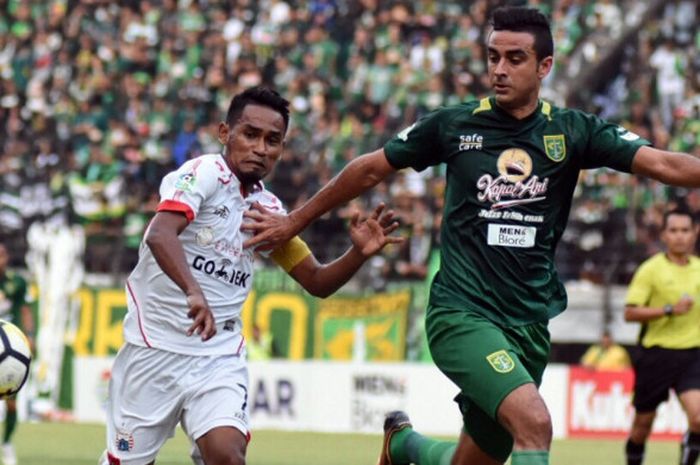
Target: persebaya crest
[
  {"x": 555, "y": 147},
  {"x": 501, "y": 361}
]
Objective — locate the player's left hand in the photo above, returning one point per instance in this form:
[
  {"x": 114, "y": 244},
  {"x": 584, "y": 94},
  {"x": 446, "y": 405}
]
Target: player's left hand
[{"x": 370, "y": 235}]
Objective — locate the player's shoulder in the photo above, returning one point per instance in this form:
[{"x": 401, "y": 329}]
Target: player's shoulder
[
  {"x": 556, "y": 112},
  {"x": 207, "y": 161}
]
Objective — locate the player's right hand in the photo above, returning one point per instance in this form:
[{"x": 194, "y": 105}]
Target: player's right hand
[
  {"x": 269, "y": 229},
  {"x": 203, "y": 323}
]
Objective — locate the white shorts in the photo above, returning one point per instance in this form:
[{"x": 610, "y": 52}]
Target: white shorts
[{"x": 152, "y": 390}]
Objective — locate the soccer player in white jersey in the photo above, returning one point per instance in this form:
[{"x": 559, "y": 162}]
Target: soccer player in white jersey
[{"x": 184, "y": 355}]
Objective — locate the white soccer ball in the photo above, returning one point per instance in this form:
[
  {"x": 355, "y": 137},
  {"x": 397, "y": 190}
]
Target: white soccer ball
[{"x": 15, "y": 357}]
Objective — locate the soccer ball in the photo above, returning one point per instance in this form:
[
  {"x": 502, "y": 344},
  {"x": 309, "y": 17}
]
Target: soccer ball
[{"x": 15, "y": 357}]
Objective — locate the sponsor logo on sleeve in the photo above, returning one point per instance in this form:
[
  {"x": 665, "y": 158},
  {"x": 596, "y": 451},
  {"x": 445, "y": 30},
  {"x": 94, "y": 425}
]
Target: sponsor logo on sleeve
[
  {"x": 471, "y": 142},
  {"x": 627, "y": 135},
  {"x": 403, "y": 135},
  {"x": 186, "y": 182}
]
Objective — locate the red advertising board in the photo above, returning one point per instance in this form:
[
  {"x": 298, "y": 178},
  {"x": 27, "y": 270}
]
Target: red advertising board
[{"x": 599, "y": 406}]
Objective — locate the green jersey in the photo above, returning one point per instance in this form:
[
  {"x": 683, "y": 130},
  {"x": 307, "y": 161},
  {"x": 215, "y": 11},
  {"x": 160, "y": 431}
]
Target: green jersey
[
  {"x": 13, "y": 296},
  {"x": 509, "y": 185}
]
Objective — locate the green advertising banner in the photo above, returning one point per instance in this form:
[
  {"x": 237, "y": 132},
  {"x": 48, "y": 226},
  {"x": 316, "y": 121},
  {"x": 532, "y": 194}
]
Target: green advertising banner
[
  {"x": 376, "y": 323},
  {"x": 302, "y": 326}
]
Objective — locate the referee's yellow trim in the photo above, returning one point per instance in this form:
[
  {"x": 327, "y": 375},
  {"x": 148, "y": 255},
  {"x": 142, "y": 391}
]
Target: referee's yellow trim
[{"x": 291, "y": 254}]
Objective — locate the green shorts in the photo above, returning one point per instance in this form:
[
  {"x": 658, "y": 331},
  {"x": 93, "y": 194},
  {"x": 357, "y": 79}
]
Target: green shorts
[{"x": 487, "y": 362}]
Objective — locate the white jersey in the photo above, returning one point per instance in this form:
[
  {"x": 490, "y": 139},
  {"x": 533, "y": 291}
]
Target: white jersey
[{"x": 210, "y": 195}]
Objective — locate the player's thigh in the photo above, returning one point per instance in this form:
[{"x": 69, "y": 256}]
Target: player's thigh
[
  {"x": 144, "y": 402},
  {"x": 218, "y": 399}
]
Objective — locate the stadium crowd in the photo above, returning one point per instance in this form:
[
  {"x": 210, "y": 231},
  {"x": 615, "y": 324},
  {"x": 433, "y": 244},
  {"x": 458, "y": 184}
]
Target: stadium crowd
[{"x": 99, "y": 99}]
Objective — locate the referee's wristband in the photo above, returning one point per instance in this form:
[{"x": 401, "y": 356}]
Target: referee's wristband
[{"x": 668, "y": 309}]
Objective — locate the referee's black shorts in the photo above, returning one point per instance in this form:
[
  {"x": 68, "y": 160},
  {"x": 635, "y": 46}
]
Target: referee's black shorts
[{"x": 657, "y": 370}]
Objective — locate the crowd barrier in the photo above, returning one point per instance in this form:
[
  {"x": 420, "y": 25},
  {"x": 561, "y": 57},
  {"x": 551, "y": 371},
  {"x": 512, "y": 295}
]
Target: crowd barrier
[{"x": 344, "y": 397}]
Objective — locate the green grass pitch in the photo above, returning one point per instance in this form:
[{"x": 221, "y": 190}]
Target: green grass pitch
[{"x": 72, "y": 444}]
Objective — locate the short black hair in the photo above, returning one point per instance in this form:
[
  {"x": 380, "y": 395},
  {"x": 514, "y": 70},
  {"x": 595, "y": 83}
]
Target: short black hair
[
  {"x": 258, "y": 95},
  {"x": 524, "y": 19},
  {"x": 680, "y": 211}
]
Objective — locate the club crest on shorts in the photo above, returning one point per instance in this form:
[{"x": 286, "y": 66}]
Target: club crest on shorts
[
  {"x": 124, "y": 441},
  {"x": 501, "y": 361},
  {"x": 555, "y": 147}
]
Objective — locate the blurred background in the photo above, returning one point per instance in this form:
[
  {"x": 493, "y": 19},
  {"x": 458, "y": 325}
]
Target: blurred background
[{"x": 99, "y": 99}]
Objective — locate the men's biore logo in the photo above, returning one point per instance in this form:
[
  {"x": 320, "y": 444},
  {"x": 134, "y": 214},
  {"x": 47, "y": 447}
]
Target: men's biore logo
[{"x": 501, "y": 361}]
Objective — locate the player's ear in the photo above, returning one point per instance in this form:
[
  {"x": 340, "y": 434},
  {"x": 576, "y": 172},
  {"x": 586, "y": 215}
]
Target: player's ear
[
  {"x": 223, "y": 133},
  {"x": 545, "y": 66}
]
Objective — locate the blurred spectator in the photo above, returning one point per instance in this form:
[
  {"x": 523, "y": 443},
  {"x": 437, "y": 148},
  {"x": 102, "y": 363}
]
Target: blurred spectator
[
  {"x": 99, "y": 99},
  {"x": 606, "y": 355},
  {"x": 261, "y": 346}
]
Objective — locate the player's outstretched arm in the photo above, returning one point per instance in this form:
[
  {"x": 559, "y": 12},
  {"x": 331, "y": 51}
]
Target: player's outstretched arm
[
  {"x": 358, "y": 176},
  {"x": 673, "y": 168},
  {"x": 161, "y": 238},
  {"x": 369, "y": 236}
]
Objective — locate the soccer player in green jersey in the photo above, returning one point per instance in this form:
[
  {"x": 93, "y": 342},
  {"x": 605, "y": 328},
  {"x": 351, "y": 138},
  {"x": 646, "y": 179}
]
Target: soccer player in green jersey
[
  {"x": 664, "y": 296},
  {"x": 15, "y": 309},
  {"x": 512, "y": 162}
]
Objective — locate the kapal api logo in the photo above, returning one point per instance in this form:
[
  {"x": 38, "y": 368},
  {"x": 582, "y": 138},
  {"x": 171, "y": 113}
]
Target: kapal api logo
[{"x": 514, "y": 185}]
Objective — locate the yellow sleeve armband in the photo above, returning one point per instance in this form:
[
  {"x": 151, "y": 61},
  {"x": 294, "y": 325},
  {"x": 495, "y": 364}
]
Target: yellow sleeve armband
[{"x": 291, "y": 254}]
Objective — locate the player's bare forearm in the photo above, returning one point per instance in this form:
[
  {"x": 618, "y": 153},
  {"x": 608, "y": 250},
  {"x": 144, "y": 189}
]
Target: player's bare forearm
[
  {"x": 324, "y": 280},
  {"x": 672, "y": 168},
  {"x": 358, "y": 176},
  {"x": 162, "y": 239},
  {"x": 368, "y": 237}
]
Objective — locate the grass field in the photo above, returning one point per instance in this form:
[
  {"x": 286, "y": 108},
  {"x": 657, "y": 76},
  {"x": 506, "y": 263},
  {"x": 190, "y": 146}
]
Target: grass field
[{"x": 64, "y": 444}]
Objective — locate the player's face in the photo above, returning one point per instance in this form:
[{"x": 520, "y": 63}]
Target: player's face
[
  {"x": 679, "y": 235},
  {"x": 514, "y": 72},
  {"x": 254, "y": 143}
]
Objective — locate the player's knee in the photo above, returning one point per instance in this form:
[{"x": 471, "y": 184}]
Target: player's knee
[
  {"x": 535, "y": 429},
  {"x": 230, "y": 457}
]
